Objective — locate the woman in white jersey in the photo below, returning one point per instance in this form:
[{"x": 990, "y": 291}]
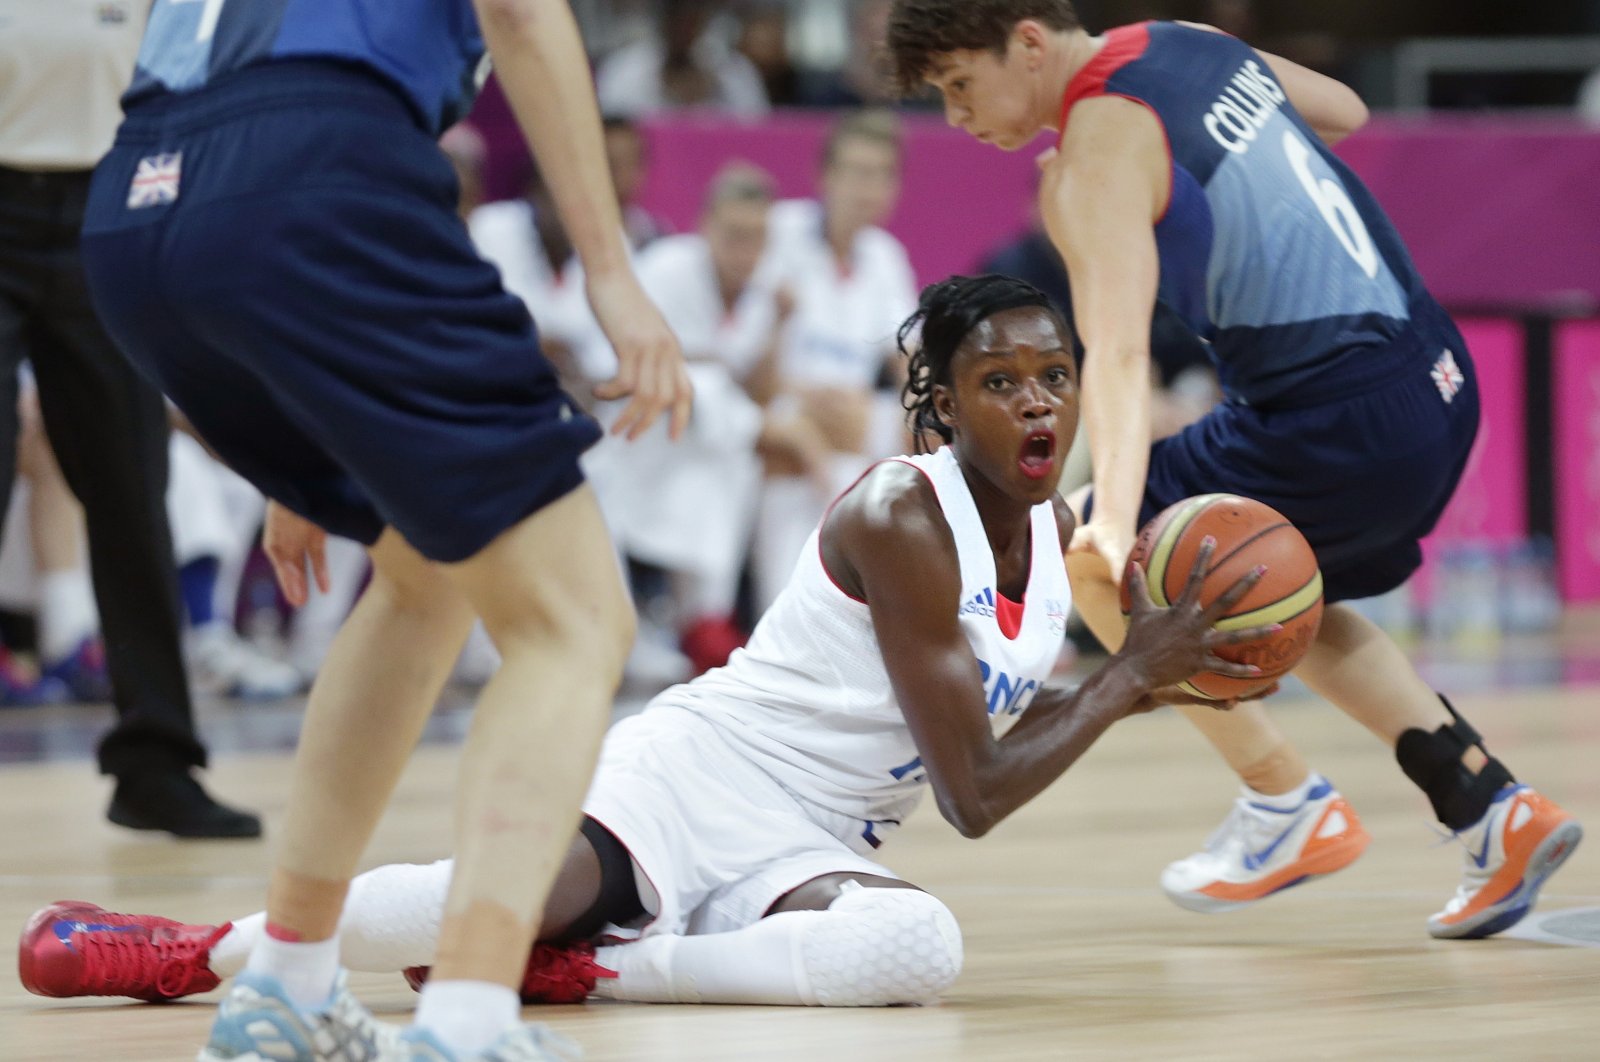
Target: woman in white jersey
[{"x": 731, "y": 829}]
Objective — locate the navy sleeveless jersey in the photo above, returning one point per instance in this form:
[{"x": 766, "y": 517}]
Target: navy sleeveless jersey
[
  {"x": 428, "y": 49},
  {"x": 1270, "y": 247}
]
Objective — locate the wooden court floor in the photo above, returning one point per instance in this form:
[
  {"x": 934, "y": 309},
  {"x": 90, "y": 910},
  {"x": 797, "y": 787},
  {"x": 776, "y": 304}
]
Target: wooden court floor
[{"x": 1072, "y": 952}]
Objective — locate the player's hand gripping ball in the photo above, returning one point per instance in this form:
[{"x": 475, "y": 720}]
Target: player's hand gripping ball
[{"x": 1248, "y": 534}]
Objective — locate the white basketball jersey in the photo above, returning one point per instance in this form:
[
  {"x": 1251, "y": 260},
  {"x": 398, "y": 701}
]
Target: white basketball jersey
[{"x": 809, "y": 698}]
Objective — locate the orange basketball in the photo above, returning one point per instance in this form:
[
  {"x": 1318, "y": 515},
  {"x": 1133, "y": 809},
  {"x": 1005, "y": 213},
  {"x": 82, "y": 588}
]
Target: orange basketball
[{"x": 1248, "y": 533}]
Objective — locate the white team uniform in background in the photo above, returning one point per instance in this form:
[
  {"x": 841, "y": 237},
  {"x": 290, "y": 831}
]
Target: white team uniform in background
[
  {"x": 842, "y": 330},
  {"x": 504, "y": 233},
  {"x": 795, "y": 760},
  {"x": 688, "y": 506}
]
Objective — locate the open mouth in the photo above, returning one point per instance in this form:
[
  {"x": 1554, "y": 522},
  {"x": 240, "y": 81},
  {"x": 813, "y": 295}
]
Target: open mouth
[{"x": 1038, "y": 456}]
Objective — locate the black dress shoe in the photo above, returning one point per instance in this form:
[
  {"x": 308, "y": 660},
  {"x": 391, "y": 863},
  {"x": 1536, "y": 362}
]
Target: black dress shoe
[{"x": 173, "y": 801}]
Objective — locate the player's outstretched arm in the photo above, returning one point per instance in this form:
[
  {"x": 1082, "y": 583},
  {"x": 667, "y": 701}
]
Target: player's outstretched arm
[
  {"x": 887, "y": 543},
  {"x": 539, "y": 59},
  {"x": 1099, "y": 198}
]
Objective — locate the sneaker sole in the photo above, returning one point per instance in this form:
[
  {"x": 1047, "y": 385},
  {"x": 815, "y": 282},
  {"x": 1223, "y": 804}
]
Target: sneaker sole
[
  {"x": 1329, "y": 860},
  {"x": 1546, "y": 859}
]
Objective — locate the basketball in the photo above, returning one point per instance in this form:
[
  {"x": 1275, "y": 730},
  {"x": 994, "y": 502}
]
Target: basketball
[{"x": 1248, "y": 534}]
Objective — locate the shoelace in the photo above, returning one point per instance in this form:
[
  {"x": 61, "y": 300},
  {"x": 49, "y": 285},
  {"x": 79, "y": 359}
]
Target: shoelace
[
  {"x": 1236, "y": 823},
  {"x": 133, "y": 964},
  {"x": 561, "y": 975}
]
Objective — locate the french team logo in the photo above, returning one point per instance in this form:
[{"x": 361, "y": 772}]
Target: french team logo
[
  {"x": 155, "y": 180},
  {"x": 1447, "y": 376}
]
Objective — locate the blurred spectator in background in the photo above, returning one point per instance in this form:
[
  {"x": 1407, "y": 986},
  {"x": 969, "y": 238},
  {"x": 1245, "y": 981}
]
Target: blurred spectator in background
[
  {"x": 61, "y": 73},
  {"x": 524, "y": 238},
  {"x": 687, "y": 507},
  {"x": 216, "y": 515},
  {"x": 464, "y": 146},
  {"x": 689, "y": 63},
  {"x": 858, "y": 82},
  {"x": 851, "y": 285},
  {"x": 44, "y": 573},
  {"x": 628, "y": 154},
  {"x": 763, "y": 39}
]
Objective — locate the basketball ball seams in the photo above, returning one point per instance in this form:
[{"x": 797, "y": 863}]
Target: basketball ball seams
[
  {"x": 1218, "y": 562},
  {"x": 1281, "y": 611},
  {"x": 1245, "y": 529},
  {"x": 1161, "y": 551}
]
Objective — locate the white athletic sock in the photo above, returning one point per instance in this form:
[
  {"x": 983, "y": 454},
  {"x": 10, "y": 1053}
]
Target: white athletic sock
[
  {"x": 468, "y": 1016},
  {"x": 390, "y": 921},
  {"x": 1285, "y": 801},
  {"x": 306, "y": 970},
  {"x": 762, "y": 963},
  {"x": 229, "y": 955},
  {"x": 67, "y": 614}
]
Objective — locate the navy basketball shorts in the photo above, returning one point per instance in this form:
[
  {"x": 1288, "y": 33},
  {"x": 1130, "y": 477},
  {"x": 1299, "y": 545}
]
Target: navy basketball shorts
[
  {"x": 281, "y": 254},
  {"x": 1364, "y": 475}
]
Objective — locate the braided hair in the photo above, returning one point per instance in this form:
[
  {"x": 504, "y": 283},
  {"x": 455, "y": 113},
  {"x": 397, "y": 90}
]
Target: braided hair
[{"x": 945, "y": 314}]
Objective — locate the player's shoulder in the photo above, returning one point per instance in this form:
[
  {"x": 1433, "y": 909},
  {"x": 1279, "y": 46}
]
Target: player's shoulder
[
  {"x": 1066, "y": 522},
  {"x": 894, "y": 500},
  {"x": 889, "y": 519}
]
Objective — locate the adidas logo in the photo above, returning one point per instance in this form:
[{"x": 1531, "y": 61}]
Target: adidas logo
[{"x": 981, "y": 603}]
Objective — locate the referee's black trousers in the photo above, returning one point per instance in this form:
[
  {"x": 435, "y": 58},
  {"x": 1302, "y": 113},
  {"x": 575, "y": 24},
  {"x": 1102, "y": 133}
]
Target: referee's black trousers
[{"x": 108, "y": 427}]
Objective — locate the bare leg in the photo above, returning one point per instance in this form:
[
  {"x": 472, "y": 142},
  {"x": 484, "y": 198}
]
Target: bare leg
[
  {"x": 552, "y": 598},
  {"x": 366, "y": 710},
  {"x": 1359, "y": 668}
]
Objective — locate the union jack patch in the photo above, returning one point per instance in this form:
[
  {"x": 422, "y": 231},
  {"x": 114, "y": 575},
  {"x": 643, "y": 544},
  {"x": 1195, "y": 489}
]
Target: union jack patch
[
  {"x": 1447, "y": 376},
  {"x": 155, "y": 180}
]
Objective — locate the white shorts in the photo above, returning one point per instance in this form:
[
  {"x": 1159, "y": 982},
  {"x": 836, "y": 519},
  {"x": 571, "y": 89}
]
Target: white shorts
[{"x": 715, "y": 840}]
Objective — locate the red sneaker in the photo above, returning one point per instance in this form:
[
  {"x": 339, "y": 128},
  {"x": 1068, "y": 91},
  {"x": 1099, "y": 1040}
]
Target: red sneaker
[
  {"x": 73, "y": 948},
  {"x": 556, "y": 973}
]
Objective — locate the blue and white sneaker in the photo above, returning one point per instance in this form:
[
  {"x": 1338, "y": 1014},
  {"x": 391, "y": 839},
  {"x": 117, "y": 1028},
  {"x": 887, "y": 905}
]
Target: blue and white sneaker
[
  {"x": 256, "y": 1022},
  {"x": 1260, "y": 849},
  {"x": 526, "y": 1043}
]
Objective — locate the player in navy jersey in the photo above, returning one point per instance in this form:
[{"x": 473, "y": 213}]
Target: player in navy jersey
[
  {"x": 273, "y": 239},
  {"x": 1193, "y": 169}
]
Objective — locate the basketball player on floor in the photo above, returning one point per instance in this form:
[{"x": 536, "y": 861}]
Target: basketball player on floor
[
  {"x": 738, "y": 816},
  {"x": 274, "y": 240},
  {"x": 1191, "y": 168}
]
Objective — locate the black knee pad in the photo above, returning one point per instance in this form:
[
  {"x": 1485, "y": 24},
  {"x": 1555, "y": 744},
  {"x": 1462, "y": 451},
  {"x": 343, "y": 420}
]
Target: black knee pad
[
  {"x": 1433, "y": 761},
  {"x": 618, "y": 902}
]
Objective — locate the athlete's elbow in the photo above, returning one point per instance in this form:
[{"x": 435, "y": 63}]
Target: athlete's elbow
[
  {"x": 1347, "y": 118},
  {"x": 970, "y": 817}
]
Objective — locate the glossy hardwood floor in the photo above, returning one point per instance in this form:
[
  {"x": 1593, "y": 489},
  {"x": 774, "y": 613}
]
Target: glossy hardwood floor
[{"x": 1072, "y": 952}]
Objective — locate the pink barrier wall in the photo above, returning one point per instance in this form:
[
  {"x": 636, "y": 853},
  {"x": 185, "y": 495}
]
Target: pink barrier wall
[
  {"x": 1494, "y": 211},
  {"x": 1490, "y": 505},
  {"x": 1577, "y": 459}
]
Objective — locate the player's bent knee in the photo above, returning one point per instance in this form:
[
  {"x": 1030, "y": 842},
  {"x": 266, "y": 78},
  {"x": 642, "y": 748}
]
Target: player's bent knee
[{"x": 882, "y": 947}]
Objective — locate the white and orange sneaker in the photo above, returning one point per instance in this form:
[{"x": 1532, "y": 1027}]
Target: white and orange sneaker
[
  {"x": 1520, "y": 841},
  {"x": 1261, "y": 849}
]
